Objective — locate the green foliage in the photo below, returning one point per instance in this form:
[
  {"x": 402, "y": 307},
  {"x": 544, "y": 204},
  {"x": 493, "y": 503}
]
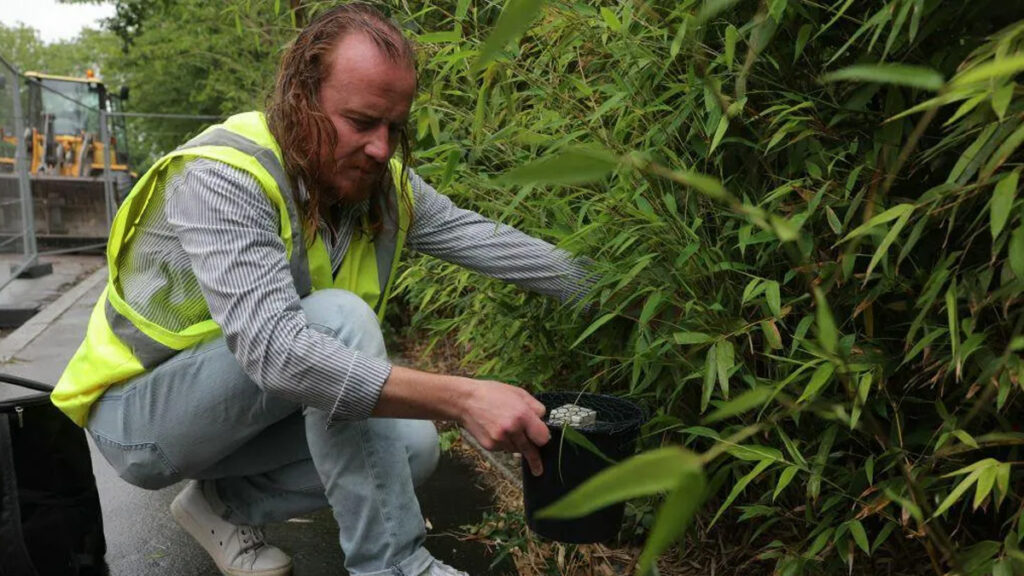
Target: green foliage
[
  {"x": 807, "y": 226},
  {"x": 806, "y": 220}
]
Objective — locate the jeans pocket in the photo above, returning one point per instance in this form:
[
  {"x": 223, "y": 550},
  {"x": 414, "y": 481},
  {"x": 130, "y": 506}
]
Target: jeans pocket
[{"x": 142, "y": 464}]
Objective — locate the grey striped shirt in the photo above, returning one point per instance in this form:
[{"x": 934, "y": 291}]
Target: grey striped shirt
[{"x": 215, "y": 241}]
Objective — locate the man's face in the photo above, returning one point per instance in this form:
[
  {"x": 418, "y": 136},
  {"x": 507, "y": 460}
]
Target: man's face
[{"x": 367, "y": 98}]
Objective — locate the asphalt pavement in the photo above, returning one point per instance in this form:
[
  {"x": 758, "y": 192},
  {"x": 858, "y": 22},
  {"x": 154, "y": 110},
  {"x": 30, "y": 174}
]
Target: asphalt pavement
[{"x": 142, "y": 538}]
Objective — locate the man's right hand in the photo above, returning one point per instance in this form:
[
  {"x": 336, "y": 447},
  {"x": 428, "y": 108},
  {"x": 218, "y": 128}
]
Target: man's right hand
[
  {"x": 499, "y": 416},
  {"x": 503, "y": 417}
]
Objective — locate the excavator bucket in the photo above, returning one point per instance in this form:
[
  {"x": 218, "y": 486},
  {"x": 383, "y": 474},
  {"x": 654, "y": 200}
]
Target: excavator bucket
[
  {"x": 69, "y": 146},
  {"x": 68, "y": 211}
]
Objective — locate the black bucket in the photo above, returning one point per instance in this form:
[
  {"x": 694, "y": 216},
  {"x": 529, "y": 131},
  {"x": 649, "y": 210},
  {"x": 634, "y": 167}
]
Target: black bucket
[
  {"x": 50, "y": 517},
  {"x": 567, "y": 465}
]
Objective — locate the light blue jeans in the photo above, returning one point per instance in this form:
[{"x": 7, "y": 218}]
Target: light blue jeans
[{"x": 199, "y": 416}]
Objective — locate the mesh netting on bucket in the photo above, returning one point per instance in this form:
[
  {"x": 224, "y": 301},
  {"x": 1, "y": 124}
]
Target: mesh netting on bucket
[{"x": 614, "y": 415}]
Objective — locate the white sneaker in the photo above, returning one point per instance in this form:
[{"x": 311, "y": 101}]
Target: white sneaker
[
  {"x": 237, "y": 550},
  {"x": 438, "y": 568}
]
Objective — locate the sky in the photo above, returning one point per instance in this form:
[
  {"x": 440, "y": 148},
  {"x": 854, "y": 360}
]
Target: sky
[{"x": 53, "y": 21}]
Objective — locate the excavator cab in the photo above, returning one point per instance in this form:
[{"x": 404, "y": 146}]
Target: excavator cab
[{"x": 64, "y": 142}]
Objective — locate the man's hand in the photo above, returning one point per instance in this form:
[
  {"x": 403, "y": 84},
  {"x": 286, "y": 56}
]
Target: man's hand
[
  {"x": 499, "y": 416},
  {"x": 503, "y": 417}
]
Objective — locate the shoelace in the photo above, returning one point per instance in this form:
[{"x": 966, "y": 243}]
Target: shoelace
[{"x": 253, "y": 534}]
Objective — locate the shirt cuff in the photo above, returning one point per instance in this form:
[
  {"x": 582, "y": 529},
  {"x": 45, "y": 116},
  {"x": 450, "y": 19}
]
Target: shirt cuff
[{"x": 360, "y": 389}]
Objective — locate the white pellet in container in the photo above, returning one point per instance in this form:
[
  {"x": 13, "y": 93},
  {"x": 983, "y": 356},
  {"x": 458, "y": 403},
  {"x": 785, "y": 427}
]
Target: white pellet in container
[{"x": 573, "y": 415}]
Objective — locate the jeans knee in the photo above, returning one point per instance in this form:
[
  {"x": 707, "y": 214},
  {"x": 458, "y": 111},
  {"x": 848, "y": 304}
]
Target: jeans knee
[
  {"x": 347, "y": 317},
  {"x": 335, "y": 308},
  {"x": 424, "y": 450},
  {"x": 143, "y": 464}
]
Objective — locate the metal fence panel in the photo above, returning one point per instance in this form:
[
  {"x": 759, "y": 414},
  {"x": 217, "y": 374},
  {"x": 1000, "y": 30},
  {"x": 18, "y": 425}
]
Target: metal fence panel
[{"x": 17, "y": 233}]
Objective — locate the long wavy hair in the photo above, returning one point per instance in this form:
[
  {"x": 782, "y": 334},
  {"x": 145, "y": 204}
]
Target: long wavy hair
[{"x": 300, "y": 125}]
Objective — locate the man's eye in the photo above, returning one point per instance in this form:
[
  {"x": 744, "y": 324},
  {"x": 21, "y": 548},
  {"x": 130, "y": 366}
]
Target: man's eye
[{"x": 362, "y": 123}]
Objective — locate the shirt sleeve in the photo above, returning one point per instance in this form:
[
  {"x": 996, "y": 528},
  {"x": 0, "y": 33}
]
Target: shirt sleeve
[
  {"x": 229, "y": 229},
  {"x": 463, "y": 237}
]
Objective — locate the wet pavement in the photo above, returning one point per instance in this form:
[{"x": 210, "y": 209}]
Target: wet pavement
[{"x": 142, "y": 538}]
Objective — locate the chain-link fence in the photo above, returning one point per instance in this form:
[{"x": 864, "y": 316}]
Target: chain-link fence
[
  {"x": 63, "y": 166},
  {"x": 17, "y": 231}
]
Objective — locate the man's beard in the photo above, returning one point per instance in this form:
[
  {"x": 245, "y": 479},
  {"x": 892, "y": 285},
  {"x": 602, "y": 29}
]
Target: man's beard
[{"x": 361, "y": 185}]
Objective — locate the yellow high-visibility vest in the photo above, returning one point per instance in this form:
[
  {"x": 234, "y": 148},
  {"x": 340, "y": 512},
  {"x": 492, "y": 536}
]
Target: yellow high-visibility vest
[{"x": 121, "y": 343}]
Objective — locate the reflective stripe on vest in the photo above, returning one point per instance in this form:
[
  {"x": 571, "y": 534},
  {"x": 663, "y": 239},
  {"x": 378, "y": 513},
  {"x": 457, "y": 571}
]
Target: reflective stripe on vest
[{"x": 120, "y": 343}]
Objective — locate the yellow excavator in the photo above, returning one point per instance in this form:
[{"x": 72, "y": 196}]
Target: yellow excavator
[{"x": 66, "y": 150}]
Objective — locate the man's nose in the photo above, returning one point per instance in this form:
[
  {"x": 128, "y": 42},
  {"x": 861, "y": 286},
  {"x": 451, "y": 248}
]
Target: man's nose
[{"x": 379, "y": 144}]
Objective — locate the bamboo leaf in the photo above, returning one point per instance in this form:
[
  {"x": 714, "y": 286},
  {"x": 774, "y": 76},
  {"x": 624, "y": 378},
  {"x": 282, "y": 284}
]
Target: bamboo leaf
[
  {"x": 755, "y": 452},
  {"x": 572, "y": 435},
  {"x": 1002, "y": 481},
  {"x": 1016, "y": 252},
  {"x": 966, "y": 438},
  {"x": 723, "y": 125},
  {"x": 883, "y": 248},
  {"x": 818, "y": 379},
  {"x": 898, "y": 74},
  {"x": 692, "y": 338},
  {"x": 890, "y": 214},
  {"x": 724, "y": 361},
  {"x": 819, "y": 543},
  {"x": 1002, "y": 154},
  {"x": 515, "y": 18},
  {"x": 883, "y": 535},
  {"x": 650, "y": 308},
  {"x": 645, "y": 474},
  {"x": 771, "y": 334},
  {"x": 573, "y": 166},
  {"x": 791, "y": 448},
  {"x": 1003, "y": 567},
  {"x": 771, "y": 293},
  {"x": 677, "y": 42},
  {"x": 957, "y": 492},
  {"x": 986, "y": 480},
  {"x": 1001, "y": 99},
  {"x": 954, "y": 325},
  {"x": 979, "y": 465},
  {"x": 710, "y": 372},
  {"x": 611, "y": 19},
  {"x": 1002, "y": 202},
  {"x": 752, "y": 398},
  {"x": 801, "y": 40},
  {"x": 673, "y": 518},
  {"x": 442, "y": 37},
  {"x": 704, "y": 184},
  {"x": 712, "y": 7},
  {"x": 593, "y": 328},
  {"x": 738, "y": 488},
  {"x": 731, "y": 35},
  {"x": 859, "y": 536},
  {"x": 997, "y": 68},
  {"x": 784, "y": 479},
  {"x": 820, "y": 459},
  {"x": 833, "y": 221},
  {"x": 827, "y": 333},
  {"x": 777, "y": 8}
]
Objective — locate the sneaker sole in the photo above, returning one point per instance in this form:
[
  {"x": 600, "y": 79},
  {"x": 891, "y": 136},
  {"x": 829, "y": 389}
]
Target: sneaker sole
[{"x": 185, "y": 520}]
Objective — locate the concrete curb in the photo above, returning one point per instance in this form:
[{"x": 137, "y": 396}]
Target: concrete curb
[{"x": 16, "y": 341}]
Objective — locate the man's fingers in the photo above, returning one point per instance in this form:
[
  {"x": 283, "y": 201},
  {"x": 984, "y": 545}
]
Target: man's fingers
[
  {"x": 537, "y": 407},
  {"x": 530, "y": 453},
  {"x": 537, "y": 432}
]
